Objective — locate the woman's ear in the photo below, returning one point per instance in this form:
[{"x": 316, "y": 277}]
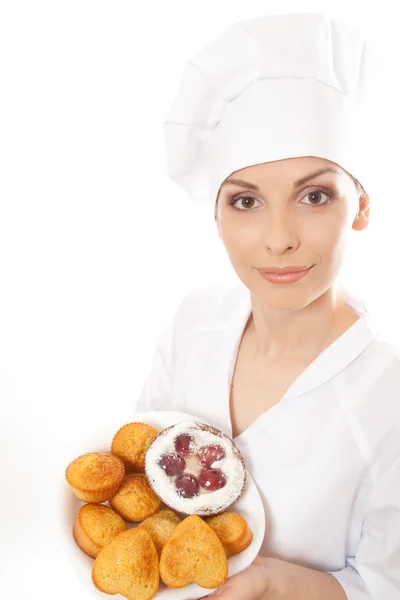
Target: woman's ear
[{"x": 362, "y": 217}]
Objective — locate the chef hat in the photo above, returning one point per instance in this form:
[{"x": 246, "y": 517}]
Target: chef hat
[{"x": 269, "y": 88}]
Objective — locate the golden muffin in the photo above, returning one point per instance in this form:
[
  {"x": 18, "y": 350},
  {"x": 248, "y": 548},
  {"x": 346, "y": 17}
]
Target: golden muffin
[
  {"x": 95, "y": 526},
  {"x": 96, "y": 476},
  {"x": 130, "y": 444},
  {"x": 233, "y": 531},
  {"x": 160, "y": 526},
  {"x": 135, "y": 500}
]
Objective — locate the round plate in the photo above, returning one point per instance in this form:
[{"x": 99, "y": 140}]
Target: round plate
[{"x": 249, "y": 506}]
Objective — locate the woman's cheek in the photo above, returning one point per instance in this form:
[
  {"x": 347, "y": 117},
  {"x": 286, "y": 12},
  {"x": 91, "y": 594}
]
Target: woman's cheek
[
  {"x": 327, "y": 231},
  {"x": 328, "y": 240},
  {"x": 240, "y": 239}
]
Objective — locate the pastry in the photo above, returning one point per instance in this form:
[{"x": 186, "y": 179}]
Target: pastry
[
  {"x": 95, "y": 526},
  {"x": 130, "y": 444},
  {"x": 193, "y": 553},
  {"x": 135, "y": 500},
  {"x": 195, "y": 469},
  {"x": 128, "y": 565},
  {"x": 95, "y": 477},
  {"x": 160, "y": 526},
  {"x": 233, "y": 531}
]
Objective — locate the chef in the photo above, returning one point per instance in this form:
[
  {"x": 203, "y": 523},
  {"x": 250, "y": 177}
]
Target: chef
[{"x": 270, "y": 125}]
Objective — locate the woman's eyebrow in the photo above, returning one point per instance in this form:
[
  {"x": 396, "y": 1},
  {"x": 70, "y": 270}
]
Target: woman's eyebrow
[{"x": 298, "y": 182}]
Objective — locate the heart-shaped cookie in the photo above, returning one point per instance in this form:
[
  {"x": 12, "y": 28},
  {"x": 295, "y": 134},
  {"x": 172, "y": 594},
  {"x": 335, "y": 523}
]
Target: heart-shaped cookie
[
  {"x": 193, "y": 553},
  {"x": 128, "y": 565}
]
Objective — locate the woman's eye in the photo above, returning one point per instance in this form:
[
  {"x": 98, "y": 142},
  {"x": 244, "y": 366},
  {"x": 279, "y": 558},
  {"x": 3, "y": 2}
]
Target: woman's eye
[
  {"x": 314, "y": 199},
  {"x": 315, "y": 195},
  {"x": 235, "y": 201}
]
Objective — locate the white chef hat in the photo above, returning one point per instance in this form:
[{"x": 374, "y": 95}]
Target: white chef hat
[{"x": 274, "y": 87}]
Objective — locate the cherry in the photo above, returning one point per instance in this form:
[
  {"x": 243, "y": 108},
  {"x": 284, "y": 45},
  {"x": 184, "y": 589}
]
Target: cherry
[
  {"x": 187, "y": 485},
  {"x": 208, "y": 454},
  {"x": 212, "y": 479},
  {"x": 172, "y": 464},
  {"x": 182, "y": 444}
]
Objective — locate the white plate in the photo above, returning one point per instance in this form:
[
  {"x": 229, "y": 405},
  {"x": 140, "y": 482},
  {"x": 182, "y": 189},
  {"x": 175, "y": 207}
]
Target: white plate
[{"x": 249, "y": 506}]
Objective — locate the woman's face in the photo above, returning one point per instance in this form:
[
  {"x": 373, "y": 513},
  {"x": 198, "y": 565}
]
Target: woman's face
[{"x": 286, "y": 222}]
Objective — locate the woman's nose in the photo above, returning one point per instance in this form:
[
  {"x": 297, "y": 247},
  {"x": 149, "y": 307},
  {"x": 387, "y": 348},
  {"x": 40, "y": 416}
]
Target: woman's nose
[{"x": 281, "y": 233}]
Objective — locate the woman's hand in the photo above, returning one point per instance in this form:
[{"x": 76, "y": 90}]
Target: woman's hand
[
  {"x": 275, "y": 579},
  {"x": 250, "y": 584}
]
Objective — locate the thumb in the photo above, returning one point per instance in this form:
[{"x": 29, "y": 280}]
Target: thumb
[{"x": 247, "y": 585}]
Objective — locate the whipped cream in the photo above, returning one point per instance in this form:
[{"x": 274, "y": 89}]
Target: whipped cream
[{"x": 206, "y": 502}]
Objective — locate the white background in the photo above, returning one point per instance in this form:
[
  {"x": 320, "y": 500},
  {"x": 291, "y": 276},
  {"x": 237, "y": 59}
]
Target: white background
[{"x": 97, "y": 245}]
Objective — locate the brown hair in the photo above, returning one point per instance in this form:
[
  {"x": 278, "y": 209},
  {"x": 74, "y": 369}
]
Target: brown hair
[{"x": 359, "y": 187}]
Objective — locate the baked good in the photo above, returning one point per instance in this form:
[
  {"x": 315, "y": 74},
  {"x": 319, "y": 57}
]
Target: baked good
[
  {"x": 195, "y": 469},
  {"x": 135, "y": 500},
  {"x": 95, "y": 476},
  {"x": 130, "y": 444},
  {"x": 95, "y": 526},
  {"x": 128, "y": 565},
  {"x": 160, "y": 526},
  {"x": 193, "y": 553},
  {"x": 233, "y": 531}
]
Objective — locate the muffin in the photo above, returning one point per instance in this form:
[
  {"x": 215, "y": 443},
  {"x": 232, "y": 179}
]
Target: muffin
[
  {"x": 95, "y": 526},
  {"x": 130, "y": 444},
  {"x": 195, "y": 469},
  {"x": 135, "y": 500},
  {"x": 160, "y": 526},
  {"x": 95, "y": 477},
  {"x": 233, "y": 531}
]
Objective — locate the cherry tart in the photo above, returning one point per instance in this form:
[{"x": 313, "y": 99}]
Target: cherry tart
[{"x": 195, "y": 469}]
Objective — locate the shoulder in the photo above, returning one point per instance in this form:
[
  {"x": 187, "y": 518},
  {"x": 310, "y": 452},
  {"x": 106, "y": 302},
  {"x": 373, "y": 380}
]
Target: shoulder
[
  {"x": 375, "y": 408},
  {"x": 381, "y": 369}
]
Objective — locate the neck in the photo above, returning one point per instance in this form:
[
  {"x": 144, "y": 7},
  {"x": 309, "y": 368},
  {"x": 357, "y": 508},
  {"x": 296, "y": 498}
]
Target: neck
[{"x": 299, "y": 334}]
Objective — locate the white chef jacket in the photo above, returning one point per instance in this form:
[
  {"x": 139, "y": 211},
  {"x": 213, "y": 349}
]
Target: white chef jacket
[{"x": 325, "y": 459}]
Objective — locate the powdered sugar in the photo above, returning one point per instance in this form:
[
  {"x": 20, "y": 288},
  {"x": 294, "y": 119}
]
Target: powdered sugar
[{"x": 206, "y": 502}]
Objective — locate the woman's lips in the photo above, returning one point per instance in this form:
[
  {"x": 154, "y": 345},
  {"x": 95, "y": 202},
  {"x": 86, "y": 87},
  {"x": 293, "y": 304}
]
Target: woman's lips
[{"x": 285, "y": 277}]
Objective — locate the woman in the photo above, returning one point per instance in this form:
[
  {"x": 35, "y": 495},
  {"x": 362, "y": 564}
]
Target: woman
[{"x": 288, "y": 365}]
